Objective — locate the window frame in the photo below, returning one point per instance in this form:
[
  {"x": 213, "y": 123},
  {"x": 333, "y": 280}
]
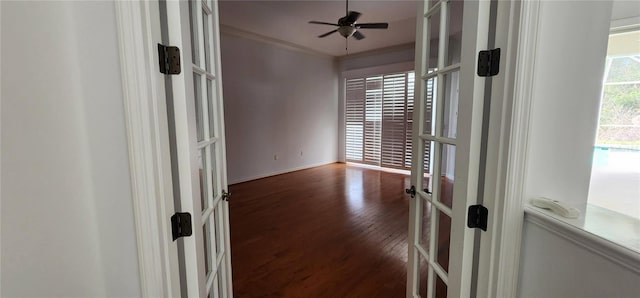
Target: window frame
[{"x": 364, "y": 73}]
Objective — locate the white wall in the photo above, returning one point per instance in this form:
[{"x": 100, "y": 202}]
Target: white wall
[
  {"x": 377, "y": 58},
  {"x": 557, "y": 267},
  {"x": 280, "y": 102},
  {"x": 67, "y": 225},
  {"x": 571, "y": 51}
]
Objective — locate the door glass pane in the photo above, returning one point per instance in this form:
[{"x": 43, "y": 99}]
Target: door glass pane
[
  {"x": 427, "y": 183},
  {"x": 423, "y": 276},
  {"x": 197, "y": 92},
  {"x": 193, "y": 21},
  {"x": 430, "y": 105},
  {"x": 455, "y": 32},
  {"x": 206, "y": 25},
  {"x": 217, "y": 218},
  {"x": 428, "y": 146},
  {"x": 409, "y": 131},
  {"x": 450, "y": 105},
  {"x": 221, "y": 280},
  {"x": 212, "y": 171},
  {"x": 211, "y": 102},
  {"x": 447, "y": 174},
  {"x": 441, "y": 288},
  {"x": 434, "y": 30},
  {"x": 208, "y": 256},
  {"x": 214, "y": 288},
  {"x": 202, "y": 165},
  {"x": 443, "y": 240},
  {"x": 214, "y": 237},
  {"x": 426, "y": 225}
]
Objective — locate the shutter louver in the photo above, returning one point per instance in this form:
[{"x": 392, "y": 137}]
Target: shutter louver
[
  {"x": 373, "y": 120},
  {"x": 393, "y": 121},
  {"x": 408, "y": 136},
  {"x": 354, "y": 116},
  {"x": 379, "y": 119},
  {"x": 429, "y": 109}
]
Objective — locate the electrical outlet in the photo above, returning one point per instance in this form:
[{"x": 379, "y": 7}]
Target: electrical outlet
[
  {"x": 301, "y": 153},
  {"x": 275, "y": 157}
]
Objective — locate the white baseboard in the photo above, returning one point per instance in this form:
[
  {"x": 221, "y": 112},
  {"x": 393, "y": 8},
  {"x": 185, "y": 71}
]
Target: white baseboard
[{"x": 259, "y": 176}]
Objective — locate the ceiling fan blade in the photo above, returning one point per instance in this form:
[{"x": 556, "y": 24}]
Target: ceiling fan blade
[
  {"x": 357, "y": 35},
  {"x": 328, "y": 33},
  {"x": 352, "y": 17},
  {"x": 322, "y": 23},
  {"x": 372, "y": 26}
]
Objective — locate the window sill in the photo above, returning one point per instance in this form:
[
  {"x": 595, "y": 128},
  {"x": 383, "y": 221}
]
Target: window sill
[{"x": 607, "y": 233}]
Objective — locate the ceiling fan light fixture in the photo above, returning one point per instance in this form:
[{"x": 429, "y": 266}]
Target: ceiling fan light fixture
[
  {"x": 348, "y": 26},
  {"x": 346, "y": 31}
]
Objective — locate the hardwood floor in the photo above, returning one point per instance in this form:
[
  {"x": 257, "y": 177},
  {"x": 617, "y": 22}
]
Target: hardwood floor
[{"x": 330, "y": 231}]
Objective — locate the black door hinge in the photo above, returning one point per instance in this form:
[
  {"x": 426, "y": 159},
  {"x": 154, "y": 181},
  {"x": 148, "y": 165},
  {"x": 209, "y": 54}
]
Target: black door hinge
[
  {"x": 181, "y": 225},
  {"x": 489, "y": 63},
  {"x": 477, "y": 217},
  {"x": 411, "y": 191},
  {"x": 169, "y": 59},
  {"x": 226, "y": 195}
]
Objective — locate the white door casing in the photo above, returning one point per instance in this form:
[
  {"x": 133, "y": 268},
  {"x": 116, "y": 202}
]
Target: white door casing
[
  {"x": 138, "y": 25},
  {"x": 499, "y": 252},
  {"x": 424, "y": 262},
  {"x": 198, "y": 157}
]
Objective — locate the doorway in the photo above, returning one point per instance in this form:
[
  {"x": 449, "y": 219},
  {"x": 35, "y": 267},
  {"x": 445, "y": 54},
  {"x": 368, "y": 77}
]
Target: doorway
[{"x": 302, "y": 152}]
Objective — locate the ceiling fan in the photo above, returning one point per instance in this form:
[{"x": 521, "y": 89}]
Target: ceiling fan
[{"x": 347, "y": 25}]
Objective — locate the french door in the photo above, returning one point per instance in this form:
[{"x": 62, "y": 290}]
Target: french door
[
  {"x": 196, "y": 119},
  {"x": 441, "y": 246}
]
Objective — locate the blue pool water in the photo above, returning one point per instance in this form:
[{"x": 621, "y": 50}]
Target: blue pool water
[
  {"x": 616, "y": 158},
  {"x": 600, "y": 156}
]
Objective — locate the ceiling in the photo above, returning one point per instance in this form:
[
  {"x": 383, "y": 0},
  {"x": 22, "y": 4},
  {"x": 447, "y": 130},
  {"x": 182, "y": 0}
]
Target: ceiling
[{"x": 289, "y": 21}]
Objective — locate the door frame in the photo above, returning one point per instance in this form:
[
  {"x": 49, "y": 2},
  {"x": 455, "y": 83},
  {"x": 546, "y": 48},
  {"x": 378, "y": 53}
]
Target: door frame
[
  {"x": 499, "y": 261},
  {"x": 505, "y": 175},
  {"x": 138, "y": 27},
  {"x": 499, "y": 266}
]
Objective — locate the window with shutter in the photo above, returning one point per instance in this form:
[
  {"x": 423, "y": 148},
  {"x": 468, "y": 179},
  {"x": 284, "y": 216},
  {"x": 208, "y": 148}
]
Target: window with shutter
[
  {"x": 378, "y": 114},
  {"x": 354, "y": 118},
  {"x": 373, "y": 120},
  {"x": 394, "y": 95}
]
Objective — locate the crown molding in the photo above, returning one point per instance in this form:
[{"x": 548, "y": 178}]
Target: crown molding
[
  {"x": 379, "y": 51},
  {"x": 232, "y": 31}
]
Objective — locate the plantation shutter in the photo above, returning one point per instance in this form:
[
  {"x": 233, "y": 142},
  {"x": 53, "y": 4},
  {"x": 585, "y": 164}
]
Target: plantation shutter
[
  {"x": 394, "y": 138},
  {"x": 354, "y": 116},
  {"x": 373, "y": 120},
  {"x": 379, "y": 119},
  {"x": 409, "y": 125},
  {"x": 429, "y": 110}
]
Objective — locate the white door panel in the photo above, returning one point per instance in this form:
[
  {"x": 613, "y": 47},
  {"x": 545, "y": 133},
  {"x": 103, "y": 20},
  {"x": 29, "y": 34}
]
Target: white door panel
[
  {"x": 448, "y": 130},
  {"x": 198, "y": 153}
]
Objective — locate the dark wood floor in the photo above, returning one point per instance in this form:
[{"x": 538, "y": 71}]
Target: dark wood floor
[{"x": 330, "y": 231}]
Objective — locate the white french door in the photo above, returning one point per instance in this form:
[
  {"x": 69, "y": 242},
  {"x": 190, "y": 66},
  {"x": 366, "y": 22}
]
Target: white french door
[
  {"x": 198, "y": 152},
  {"x": 441, "y": 246}
]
